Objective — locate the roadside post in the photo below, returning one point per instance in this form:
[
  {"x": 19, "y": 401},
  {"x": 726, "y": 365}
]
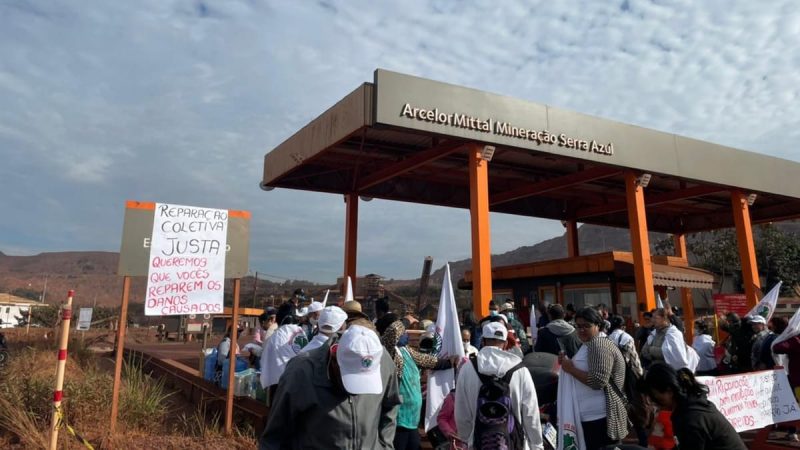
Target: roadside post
[{"x": 58, "y": 393}]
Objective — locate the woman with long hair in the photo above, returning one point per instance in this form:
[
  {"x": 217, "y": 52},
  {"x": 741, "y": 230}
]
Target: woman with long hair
[{"x": 696, "y": 422}]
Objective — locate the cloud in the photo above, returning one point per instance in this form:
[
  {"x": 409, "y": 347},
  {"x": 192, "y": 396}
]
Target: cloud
[{"x": 178, "y": 101}]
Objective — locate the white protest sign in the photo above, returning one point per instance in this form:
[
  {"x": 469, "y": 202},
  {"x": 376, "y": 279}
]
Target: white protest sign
[
  {"x": 187, "y": 260},
  {"x": 753, "y": 400},
  {"x": 84, "y": 319}
]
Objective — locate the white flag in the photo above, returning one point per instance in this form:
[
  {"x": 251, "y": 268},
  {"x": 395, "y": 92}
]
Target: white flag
[
  {"x": 534, "y": 329},
  {"x": 448, "y": 340},
  {"x": 325, "y": 300},
  {"x": 792, "y": 330},
  {"x": 767, "y": 305},
  {"x": 659, "y": 302},
  {"x": 570, "y": 430},
  {"x": 349, "y": 296}
]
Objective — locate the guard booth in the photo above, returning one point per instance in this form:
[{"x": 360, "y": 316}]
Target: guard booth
[
  {"x": 589, "y": 280},
  {"x": 405, "y": 138}
]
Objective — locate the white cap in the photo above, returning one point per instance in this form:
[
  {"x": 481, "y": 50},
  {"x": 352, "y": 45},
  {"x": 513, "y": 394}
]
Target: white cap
[
  {"x": 315, "y": 306},
  {"x": 359, "y": 357},
  {"x": 504, "y": 317},
  {"x": 301, "y": 312},
  {"x": 758, "y": 319},
  {"x": 331, "y": 319},
  {"x": 495, "y": 330}
]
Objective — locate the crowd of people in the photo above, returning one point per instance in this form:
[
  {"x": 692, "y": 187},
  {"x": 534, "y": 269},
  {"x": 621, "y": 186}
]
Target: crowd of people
[{"x": 337, "y": 378}]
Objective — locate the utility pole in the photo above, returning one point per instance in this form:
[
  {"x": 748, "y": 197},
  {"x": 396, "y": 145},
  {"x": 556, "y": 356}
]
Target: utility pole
[
  {"x": 44, "y": 291},
  {"x": 255, "y": 289}
]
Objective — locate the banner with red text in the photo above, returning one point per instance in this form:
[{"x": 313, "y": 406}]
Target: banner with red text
[
  {"x": 753, "y": 400},
  {"x": 187, "y": 261},
  {"x": 726, "y": 303}
]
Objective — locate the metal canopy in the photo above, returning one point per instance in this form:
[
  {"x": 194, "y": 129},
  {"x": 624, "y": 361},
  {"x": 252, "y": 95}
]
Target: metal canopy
[{"x": 373, "y": 143}]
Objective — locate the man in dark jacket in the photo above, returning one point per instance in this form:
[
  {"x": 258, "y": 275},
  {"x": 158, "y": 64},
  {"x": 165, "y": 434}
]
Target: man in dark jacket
[
  {"x": 288, "y": 310},
  {"x": 340, "y": 395},
  {"x": 558, "y": 335}
]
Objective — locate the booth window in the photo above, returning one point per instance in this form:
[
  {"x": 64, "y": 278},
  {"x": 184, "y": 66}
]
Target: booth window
[{"x": 580, "y": 297}]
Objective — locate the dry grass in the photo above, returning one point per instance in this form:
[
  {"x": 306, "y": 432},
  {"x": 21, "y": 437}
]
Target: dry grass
[{"x": 26, "y": 389}]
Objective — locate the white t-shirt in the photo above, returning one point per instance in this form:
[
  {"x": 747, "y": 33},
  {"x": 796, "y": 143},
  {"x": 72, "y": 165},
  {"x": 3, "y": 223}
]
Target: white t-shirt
[{"x": 591, "y": 402}]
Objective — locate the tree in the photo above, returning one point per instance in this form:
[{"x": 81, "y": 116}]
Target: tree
[
  {"x": 45, "y": 316},
  {"x": 778, "y": 257},
  {"x": 716, "y": 251}
]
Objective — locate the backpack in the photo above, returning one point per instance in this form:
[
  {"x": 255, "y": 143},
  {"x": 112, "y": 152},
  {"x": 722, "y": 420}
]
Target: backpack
[
  {"x": 495, "y": 425},
  {"x": 641, "y": 410}
]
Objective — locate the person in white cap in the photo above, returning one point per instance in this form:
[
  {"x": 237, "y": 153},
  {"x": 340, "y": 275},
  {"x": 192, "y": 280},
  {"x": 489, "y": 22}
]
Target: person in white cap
[
  {"x": 341, "y": 395},
  {"x": 494, "y": 362},
  {"x": 331, "y": 320},
  {"x": 309, "y": 323},
  {"x": 284, "y": 345},
  {"x": 761, "y": 333}
]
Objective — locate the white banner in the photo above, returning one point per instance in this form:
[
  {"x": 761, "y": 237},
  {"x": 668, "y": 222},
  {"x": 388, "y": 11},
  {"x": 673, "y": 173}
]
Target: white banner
[
  {"x": 753, "y": 400},
  {"x": 84, "y": 319},
  {"x": 448, "y": 340},
  {"x": 187, "y": 260}
]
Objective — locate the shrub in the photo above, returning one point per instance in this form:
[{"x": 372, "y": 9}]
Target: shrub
[{"x": 142, "y": 400}]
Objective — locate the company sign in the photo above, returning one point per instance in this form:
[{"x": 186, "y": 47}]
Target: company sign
[{"x": 496, "y": 127}]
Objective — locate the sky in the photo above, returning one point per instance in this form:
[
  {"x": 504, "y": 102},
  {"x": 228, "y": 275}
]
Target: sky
[{"x": 179, "y": 101}]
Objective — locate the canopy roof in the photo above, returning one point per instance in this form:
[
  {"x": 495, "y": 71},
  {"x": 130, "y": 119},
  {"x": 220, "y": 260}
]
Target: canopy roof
[
  {"x": 403, "y": 138},
  {"x": 668, "y": 271}
]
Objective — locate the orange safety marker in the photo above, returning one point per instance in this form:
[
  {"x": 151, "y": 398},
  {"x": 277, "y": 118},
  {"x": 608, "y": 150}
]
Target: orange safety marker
[{"x": 58, "y": 394}]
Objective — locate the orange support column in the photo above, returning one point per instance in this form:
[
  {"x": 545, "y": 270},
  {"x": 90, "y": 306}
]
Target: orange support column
[
  {"x": 479, "y": 214},
  {"x": 747, "y": 250},
  {"x": 350, "y": 240},
  {"x": 640, "y": 243},
  {"x": 573, "y": 249},
  {"x": 679, "y": 242}
]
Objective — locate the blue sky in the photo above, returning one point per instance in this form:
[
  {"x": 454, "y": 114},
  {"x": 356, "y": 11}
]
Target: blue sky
[{"x": 178, "y": 101}]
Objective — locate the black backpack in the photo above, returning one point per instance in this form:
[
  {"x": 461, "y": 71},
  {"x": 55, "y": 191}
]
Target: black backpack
[
  {"x": 495, "y": 425},
  {"x": 641, "y": 410}
]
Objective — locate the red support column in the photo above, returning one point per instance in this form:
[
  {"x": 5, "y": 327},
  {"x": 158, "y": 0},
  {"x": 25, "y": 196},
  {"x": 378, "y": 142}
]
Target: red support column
[
  {"x": 350, "y": 240},
  {"x": 573, "y": 249},
  {"x": 479, "y": 217},
  {"x": 687, "y": 303},
  {"x": 640, "y": 243},
  {"x": 747, "y": 250}
]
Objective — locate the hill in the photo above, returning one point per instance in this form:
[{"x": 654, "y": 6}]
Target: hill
[
  {"x": 93, "y": 277},
  {"x": 93, "y": 274}
]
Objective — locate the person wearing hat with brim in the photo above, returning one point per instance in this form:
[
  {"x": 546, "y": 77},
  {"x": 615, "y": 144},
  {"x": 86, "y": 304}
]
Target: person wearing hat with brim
[
  {"x": 508, "y": 310},
  {"x": 343, "y": 394},
  {"x": 492, "y": 360},
  {"x": 355, "y": 316},
  {"x": 331, "y": 320},
  {"x": 409, "y": 363}
]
